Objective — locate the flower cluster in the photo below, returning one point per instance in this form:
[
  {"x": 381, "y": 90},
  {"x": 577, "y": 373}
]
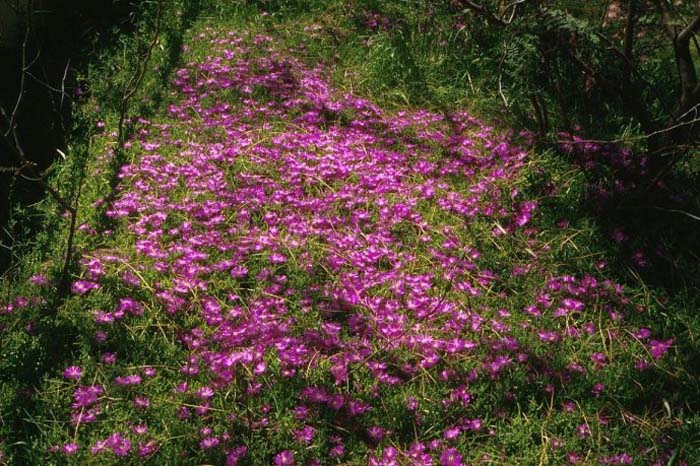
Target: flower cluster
[{"x": 296, "y": 239}]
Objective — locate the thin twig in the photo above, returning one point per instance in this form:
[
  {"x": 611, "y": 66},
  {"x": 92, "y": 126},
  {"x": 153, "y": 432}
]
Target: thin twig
[
  {"x": 31, "y": 166},
  {"x": 63, "y": 84},
  {"x": 641, "y": 137},
  {"x": 18, "y": 102},
  {"x": 135, "y": 82},
  {"x": 676, "y": 211}
]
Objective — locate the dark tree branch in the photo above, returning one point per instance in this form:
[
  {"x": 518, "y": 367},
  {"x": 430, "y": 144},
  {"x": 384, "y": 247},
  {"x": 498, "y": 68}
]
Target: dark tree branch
[
  {"x": 20, "y": 95},
  {"x": 484, "y": 11},
  {"x": 687, "y": 74},
  {"x": 135, "y": 82},
  {"x": 632, "y": 66},
  {"x": 540, "y": 115},
  {"x": 629, "y": 40},
  {"x": 633, "y": 103},
  {"x": 27, "y": 165},
  {"x": 692, "y": 27}
]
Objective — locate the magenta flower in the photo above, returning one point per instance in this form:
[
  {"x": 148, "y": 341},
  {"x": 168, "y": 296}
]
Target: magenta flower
[
  {"x": 583, "y": 431},
  {"x": 147, "y": 448},
  {"x": 84, "y": 396},
  {"x": 100, "y": 336},
  {"x": 73, "y": 373},
  {"x": 452, "y": 433},
  {"x": 84, "y": 416},
  {"x": 337, "y": 451},
  {"x": 119, "y": 445},
  {"x": 597, "y": 389},
  {"x": 141, "y": 402},
  {"x": 323, "y": 243},
  {"x": 599, "y": 360},
  {"x": 81, "y": 287},
  {"x": 642, "y": 365},
  {"x": 277, "y": 258},
  {"x": 129, "y": 305},
  {"x": 38, "y": 279},
  {"x": 548, "y": 336},
  {"x": 208, "y": 443},
  {"x": 305, "y": 434},
  {"x": 451, "y": 457},
  {"x": 573, "y": 458},
  {"x": 235, "y": 455},
  {"x": 205, "y": 393},
  {"x": 140, "y": 429},
  {"x": 99, "y": 447},
  {"x": 284, "y": 458},
  {"x": 125, "y": 381},
  {"x": 69, "y": 449},
  {"x": 659, "y": 348}
]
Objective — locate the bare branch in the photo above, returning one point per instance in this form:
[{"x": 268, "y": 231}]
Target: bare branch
[
  {"x": 134, "y": 83},
  {"x": 644, "y": 136},
  {"x": 629, "y": 37},
  {"x": 689, "y": 30},
  {"x": 484, "y": 11},
  {"x": 63, "y": 83},
  {"x": 513, "y": 6},
  {"x": 17, "y": 147},
  {"x": 632, "y": 66},
  {"x": 47, "y": 85},
  {"x": 677, "y": 211},
  {"x": 20, "y": 95}
]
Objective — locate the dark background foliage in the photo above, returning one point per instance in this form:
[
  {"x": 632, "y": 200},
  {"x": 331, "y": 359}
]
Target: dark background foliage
[{"x": 61, "y": 39}]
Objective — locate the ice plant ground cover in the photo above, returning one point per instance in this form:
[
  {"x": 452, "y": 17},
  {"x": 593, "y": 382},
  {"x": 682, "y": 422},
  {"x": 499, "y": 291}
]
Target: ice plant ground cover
[{"x": 298, "y": 276}]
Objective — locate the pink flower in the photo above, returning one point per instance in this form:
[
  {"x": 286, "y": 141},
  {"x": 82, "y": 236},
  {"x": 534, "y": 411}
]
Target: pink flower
[
  {"x": 599, "y": 360},
  {"x": 84, "y": 396},
  {"x": 277, "y": 258},
  {"x": 140, "y": 429},
  {"x": 284, "y": 458},
  {"x": 69, "y": 449},
  {"x": 125, "y": 381},
  {"x": 141, "y": 402},
  {"x": 205, "y": 393},
  {"x": 451, "y": 457},
  {"x": 73, "y": 373},
  {"x": 452, "y": 433},
  {"x": 81, "y": 287},
  {"x": 119, "y": 445},
  {"x": 598, "y": 388},
  {"x": 305, "y": 434},
  {"x": 38, "y": 279},
  {"x": 659, "y": 348},
  {"x": 208, "y": 443},
  {"x": 147, "y": 448}
]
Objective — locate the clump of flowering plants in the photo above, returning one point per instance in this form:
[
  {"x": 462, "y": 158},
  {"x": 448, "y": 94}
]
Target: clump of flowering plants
[{"x": 306, "y": 278}]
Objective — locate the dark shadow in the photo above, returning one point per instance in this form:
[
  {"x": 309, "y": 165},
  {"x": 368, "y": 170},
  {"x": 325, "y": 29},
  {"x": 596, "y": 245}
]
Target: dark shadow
[
  {"x": 653, "y": 225},
  {"x": 63, "y": 39}
]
